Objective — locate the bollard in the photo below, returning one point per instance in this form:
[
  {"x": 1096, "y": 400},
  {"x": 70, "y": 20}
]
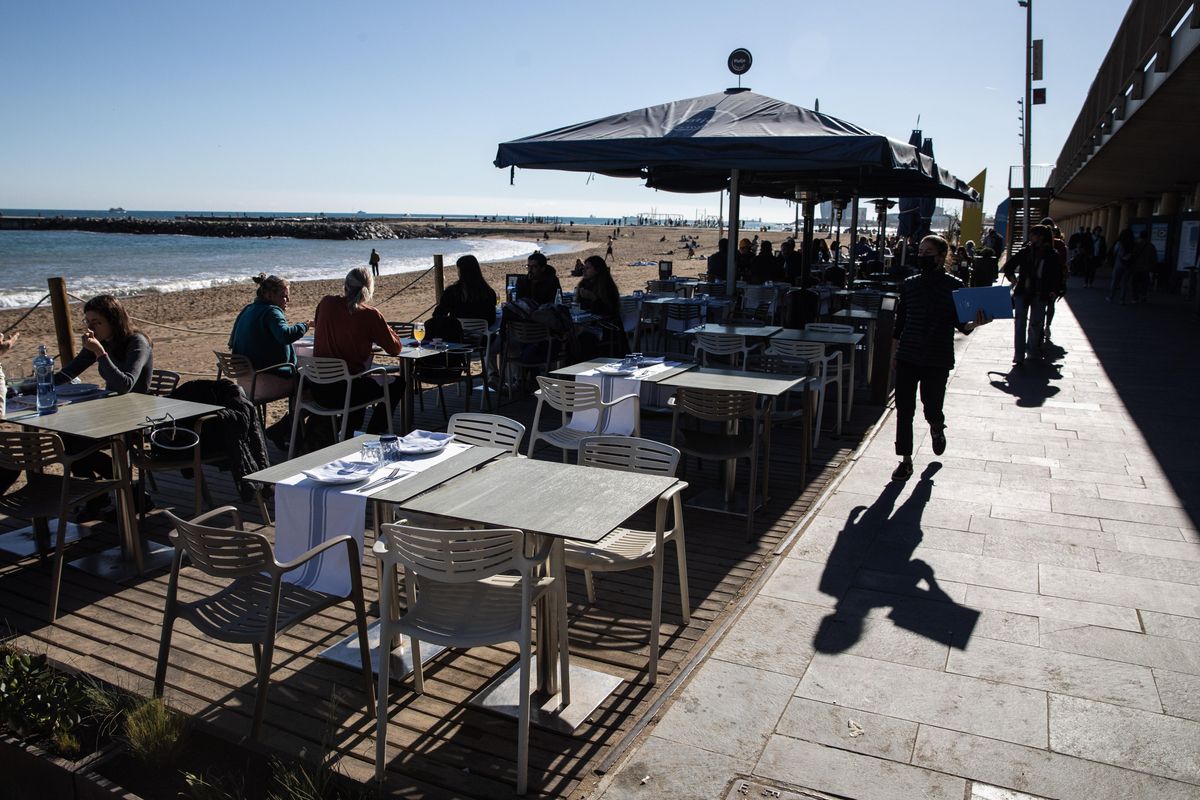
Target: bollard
[{"x": 61, "y": 310}]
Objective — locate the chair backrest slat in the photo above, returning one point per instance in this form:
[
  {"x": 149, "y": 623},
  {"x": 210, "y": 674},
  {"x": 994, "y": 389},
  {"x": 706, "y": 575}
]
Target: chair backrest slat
[
  {"x": 569, "y": 396},
  {"x": 716, "y": 406},
  {"x": 322, "y": 370},
  {"x": 809, "y": 351},
  {"x": 629, "y": 454},
  {"x": 454, "y": 556},
  {"x": 223, "y": 552},
  {"x": 162, "y": 382},
  {"x": 29, "y": 449},
  {"x": 487, "y": 429},
  {"x": 233, "y": 366}
]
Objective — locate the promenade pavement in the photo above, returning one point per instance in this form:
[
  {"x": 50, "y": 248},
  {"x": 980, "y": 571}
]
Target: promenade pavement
[{"x": 1021, "y": 617}]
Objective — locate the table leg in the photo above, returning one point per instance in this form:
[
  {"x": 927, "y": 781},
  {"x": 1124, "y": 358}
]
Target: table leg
[
  {"x": 870, "y": 349},
  {"x": 766, "y": 490},
  {"x": 123, "y": 472},
  {"x": 406, "y": 402},
  {"x": 849, "y": 387}
]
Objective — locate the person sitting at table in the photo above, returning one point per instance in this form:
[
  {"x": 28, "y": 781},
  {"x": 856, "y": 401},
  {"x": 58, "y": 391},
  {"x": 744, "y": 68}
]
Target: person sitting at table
[
  {"x": 348, "y": 328},
  {"x": 597, "y": 294},
  {"x": 743, "y": 259},
  {"x": 262, "y": 334},
  {"x": 541, "y": 284},
  {"x": 119, "y": 351},
  {"x": 470, "y": 297},
  {"x": 766, "y": 266},
  {"x": 124, "y": 358}
]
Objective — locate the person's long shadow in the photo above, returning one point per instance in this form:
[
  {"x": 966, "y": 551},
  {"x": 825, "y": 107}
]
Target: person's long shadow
[
  {"x": 1030, "y": 385},
  {"x": 927, "y": 611}
]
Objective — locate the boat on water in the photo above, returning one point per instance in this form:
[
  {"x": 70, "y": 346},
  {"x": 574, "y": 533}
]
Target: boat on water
[{"x": 117, "y": 210}]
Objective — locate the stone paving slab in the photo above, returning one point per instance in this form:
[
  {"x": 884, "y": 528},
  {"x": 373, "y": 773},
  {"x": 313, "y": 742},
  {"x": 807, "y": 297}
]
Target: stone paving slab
[
  {"x": 1036, "y": 552},
  {"x": 1179, "y": 692},
  {"x": 1130, "y": 647},
  {"x": 853, "y": 775},
  {"x": 1019, "y": 529},
  {"x": 1038, "y": 605},
  {"x": 1140, "y": 566},
  {"x": 1038, "y": 770},
  {"x": 849, "y": 729},
  {"x": 1054, "y": 671},
  {"x": 1171, "y": 626},
  {"x": 963, "y": 703},
  {"x": 662, "y": 768},
  {"x": 1153, "y": 743},
  {"x": 1144, "y": 593},
  {"x": 729, "y": 709}
]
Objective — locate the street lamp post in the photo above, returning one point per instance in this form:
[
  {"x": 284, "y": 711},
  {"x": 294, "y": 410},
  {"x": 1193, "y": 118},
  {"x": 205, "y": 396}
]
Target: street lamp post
[{"x": 1025, "y": 148}]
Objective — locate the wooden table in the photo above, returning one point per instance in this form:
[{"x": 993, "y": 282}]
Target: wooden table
[
  {"x": 560, "y": 501},
  {"x": 847, "y": 340},
  {"x": 764, "y": 384},
  {"x": 113, "y": 418}
]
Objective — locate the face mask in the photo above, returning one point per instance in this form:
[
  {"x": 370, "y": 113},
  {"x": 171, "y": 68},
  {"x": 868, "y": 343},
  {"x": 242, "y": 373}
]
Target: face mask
[{"x": 927, "y": 262}]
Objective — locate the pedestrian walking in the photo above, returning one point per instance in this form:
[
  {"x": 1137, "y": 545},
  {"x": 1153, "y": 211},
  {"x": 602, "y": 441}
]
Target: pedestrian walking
[
  {"x": 926, "y": 319},
  {"x": 374, "y": 262},
  {"x": 1037, "y": 275},
  {"x": 608, "y": 253}
]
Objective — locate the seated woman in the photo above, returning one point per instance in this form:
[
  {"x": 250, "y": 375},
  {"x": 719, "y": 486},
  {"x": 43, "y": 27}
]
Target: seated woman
[
  {"x": 470, "y": 297},
  {"x": 120, "y": 352},
  {"x": 541, "y": 284},
  {"x": 348, "y": 328},
  {"x": 124, "y": 358},
  {"x": 597, "y": 293},
  {"x": 262, "y": 334}
]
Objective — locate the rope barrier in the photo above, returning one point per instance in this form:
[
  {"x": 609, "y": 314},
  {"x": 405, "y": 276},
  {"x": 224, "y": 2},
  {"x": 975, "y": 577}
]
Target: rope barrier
[
  {"x": 26, "y": 314},
  {"x": 159, "y": 324},
  {"x": 406, "y": 286}
]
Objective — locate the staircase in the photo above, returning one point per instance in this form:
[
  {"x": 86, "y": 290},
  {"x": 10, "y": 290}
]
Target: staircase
[{"x": 1040, "y": 193}]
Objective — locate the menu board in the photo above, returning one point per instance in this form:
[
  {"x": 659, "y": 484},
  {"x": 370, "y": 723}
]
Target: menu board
[
  {"x": 1158, "y": 237},
  {"x": 1189, "y": 244}
]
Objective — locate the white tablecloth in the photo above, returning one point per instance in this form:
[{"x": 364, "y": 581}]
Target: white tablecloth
[
  {"x": 308, "y": 513},
  {"x": 620, "y": 419}
]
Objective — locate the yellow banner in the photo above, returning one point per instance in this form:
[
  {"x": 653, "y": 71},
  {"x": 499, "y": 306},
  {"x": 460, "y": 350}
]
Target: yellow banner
[{"x": 972, "y": 216}]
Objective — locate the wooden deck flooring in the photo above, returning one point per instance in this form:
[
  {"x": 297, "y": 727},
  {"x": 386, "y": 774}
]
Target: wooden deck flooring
[{"x": 437, "y": 745}]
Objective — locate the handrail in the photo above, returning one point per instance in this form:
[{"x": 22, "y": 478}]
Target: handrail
[{"x": 1143, "y": 37}]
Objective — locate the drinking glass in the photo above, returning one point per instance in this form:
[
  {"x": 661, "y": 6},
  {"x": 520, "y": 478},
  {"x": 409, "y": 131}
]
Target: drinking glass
[
  {"x": 419, "y": 332},
  {"x": 370, "y": 453},
  {"x": 389, "y": 446}
]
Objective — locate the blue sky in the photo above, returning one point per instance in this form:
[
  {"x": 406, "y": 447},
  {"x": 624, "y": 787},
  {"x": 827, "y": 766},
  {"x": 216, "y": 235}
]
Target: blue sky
[{"x": 398, "y": 107}]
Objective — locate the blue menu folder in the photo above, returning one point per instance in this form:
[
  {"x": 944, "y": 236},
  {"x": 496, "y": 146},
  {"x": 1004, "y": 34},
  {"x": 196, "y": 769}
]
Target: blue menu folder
[{"x": 995, "y": 301}]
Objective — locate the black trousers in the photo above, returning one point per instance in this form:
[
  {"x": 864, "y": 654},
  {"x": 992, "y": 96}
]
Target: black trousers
[
  {"x": 932, "y": 382},
  {"x": 362, "y": 390}
]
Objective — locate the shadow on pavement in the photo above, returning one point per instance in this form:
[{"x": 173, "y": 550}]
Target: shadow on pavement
[{"x": 927, "y": 611}]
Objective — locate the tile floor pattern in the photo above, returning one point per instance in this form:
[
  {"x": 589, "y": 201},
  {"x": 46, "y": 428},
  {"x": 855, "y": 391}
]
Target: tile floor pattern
[{"x": 1019, "y": 620}]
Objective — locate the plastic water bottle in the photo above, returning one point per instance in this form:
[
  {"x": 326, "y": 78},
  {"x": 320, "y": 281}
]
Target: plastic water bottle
[
  {"x": 43, "y": 373},
  {"x": 558, "y": 297}
]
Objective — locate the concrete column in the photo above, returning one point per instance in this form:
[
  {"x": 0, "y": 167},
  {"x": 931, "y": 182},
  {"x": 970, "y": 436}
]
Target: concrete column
[
  {"x": 1196, "y": 192},
  {"x": 1112, "y": 224},
  {"x": 1169, "y": 204},
  {"x": 1145, "y": 207},
  {"x": 1128, "y": 212}
]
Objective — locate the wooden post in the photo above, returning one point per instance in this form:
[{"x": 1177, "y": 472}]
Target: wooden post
[
  {"x": 439, "y": 278},
  {"x": 62, "y": 319}
]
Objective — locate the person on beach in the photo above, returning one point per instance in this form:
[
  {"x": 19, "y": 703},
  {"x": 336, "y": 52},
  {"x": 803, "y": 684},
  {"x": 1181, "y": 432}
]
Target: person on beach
[
  {"x": 540, "y": 284},
  {"x": 347, "y": 328},
  {"x": 609, "y": 252},
  {"x": 374, "y": 262},
  {"x": 470, "y": 297},
  {"x": 1037, "y": 275},
  {"x": 926, "y": 319},
  {"x": 262, "y": 334}
]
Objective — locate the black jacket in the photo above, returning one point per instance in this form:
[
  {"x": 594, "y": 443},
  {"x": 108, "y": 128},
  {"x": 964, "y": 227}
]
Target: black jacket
[
  {"x": 1022, "y": 270},
  {"x": 234, "y": 434},
  {"x": 926, "y": 319}
]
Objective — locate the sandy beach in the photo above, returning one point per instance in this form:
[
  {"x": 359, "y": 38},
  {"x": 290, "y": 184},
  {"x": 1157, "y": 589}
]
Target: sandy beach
[{"x": 200, "y": 320}]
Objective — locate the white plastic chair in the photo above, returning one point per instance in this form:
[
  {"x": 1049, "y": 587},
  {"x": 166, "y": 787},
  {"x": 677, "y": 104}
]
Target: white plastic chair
[
  {"x": 326, "y": 371},
  {"x": 828, "y": 369},
  {"x": 722, "y": 344},
  {"x": 241, "y": 371},
  {"x": 631, "y": 317},
  {"x": 479, "y": 334},
  {"x": 760, "y": 302},
  {"x": 627, "y": 548},
  {"x": 487, "y": 429},
  {"x": 464, "y": 588},
  {"x": 572, "y": 399}
]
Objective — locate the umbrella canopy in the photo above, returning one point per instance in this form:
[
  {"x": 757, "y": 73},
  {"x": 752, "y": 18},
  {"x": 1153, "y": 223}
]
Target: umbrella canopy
[{"x": 692, "y": 145}]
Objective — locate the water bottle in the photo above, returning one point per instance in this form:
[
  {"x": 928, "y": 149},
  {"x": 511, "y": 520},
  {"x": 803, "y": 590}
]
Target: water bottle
[
  {"x": 43, "y": 374},
  {"x": 558, "y": 297}
]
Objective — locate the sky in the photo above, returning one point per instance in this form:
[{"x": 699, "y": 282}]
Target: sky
[{"x": 397, "y": 107}]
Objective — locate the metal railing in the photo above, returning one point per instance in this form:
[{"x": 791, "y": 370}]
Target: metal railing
[
  {"x": 1039, "y": 176},
  {"x": 1143, "y": 41}
]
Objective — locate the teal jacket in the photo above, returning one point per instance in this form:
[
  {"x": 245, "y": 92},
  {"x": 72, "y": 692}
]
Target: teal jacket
[{"x": 262, "y": 334}]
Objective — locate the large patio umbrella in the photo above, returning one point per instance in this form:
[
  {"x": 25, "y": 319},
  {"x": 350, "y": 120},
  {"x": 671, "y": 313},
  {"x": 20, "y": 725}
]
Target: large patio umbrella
[{"x": 746, "y": 142}]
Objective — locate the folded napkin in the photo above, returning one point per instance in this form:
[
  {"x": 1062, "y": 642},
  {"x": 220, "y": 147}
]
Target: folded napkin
[{"x": 420, "y": 441}]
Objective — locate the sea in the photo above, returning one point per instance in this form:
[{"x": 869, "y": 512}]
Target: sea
[{"x": 131, "y": 264}]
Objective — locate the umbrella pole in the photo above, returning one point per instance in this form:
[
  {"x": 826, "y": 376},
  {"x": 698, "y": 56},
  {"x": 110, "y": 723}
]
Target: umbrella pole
[
  {"x": 808, "y": 234},
  {"x": 853, "y": 234},
  {"x": 720, "y": 215},
  {"x": 796, "y": 224},
  {"x": 735, "y": 204}
]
